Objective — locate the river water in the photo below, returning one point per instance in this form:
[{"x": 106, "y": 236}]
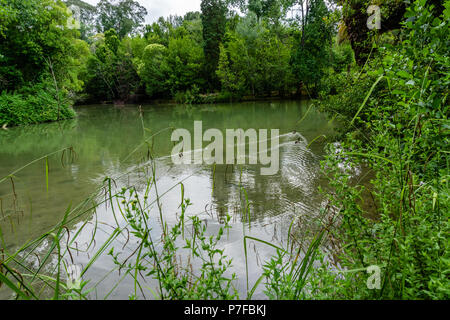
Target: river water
[{"x": 117, "y": 142}]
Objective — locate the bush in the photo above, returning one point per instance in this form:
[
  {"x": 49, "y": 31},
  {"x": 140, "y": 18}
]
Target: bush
[
  {"x": 405, "y": 124},
  {"x": 31, "y": 105}
]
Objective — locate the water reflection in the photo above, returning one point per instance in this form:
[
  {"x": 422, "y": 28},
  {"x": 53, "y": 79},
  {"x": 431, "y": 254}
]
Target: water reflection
[{"x": 119, "y": 142}]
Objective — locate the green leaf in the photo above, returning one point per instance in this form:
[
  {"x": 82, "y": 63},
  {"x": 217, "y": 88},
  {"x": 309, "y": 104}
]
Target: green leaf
[{"x": 404, "y": 74}]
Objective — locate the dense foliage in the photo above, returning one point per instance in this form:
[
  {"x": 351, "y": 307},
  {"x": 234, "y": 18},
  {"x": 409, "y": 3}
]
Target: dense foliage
[
  {"x": 207, "y": 56},
  {"x": 392, "y": 105},
  {"x": 214, "y": 24},
  {"x": 396, "y": 116},
  {"x": 40, "y": 55}
]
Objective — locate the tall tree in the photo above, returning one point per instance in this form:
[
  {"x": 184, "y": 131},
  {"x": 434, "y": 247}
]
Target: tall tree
[
  {"x": 214, "y": 25},
  {"x": 354, "y": 16},
  {"x": 312, "y": 55},
  {"x": 112, "y": 75},
  {"x": 255, "y": 60},
  {"x": 151, "y": 69},
  {"x": 40, "y": 61},
  {"x": 124, "y": 16}
]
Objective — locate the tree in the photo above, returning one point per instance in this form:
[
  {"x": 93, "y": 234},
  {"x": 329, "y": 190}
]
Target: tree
[
  {"x": 254, "y": 59},
  {"x": 262, "y": 8},
  {"x": 34, "y": 33},
  {"x": 183, "y": 65},
  {"x": 273, "y": 57},
  {"x": 159, "y": 32},
  {"x": 232, "y": 79},
  {"x": 86, "y": 17},
  {"x": 125, "y": 16},
  {"x": 214, "y": 27},
  {"x": 151, "y": 69},
  {"x": 174, "y": 26},
  {"x": 311, "y": 58},
  {"x": 355, "y": 18}
]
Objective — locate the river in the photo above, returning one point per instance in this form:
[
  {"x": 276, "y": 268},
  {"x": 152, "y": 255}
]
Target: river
[{"x": 119, "y": 142}]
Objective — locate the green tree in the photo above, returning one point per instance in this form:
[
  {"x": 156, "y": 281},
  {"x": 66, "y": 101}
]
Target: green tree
[
  {"x": 164, "y": 29},
  {"x": 112, "y": 74},
  {"x": 40, "y": 61},
  {"x": 273, "y": 57},
  {"x": 125, "y": 16},
  {"x": 183, "y": 64},
  {"x": 214, "y": 27},
  {"x": 34, "y": 33},
  {"x": 232, "y": 79},
  {"x": 255, "y": 60},
  {"x": 6, "y": 14},
  {"x": 354, "y": 16},
  {"x": 151, "y": 71},
  {"x": 263, "y": 8},
  {"x": 159, "y": 32},
  {"x": 311, "y": 56},
  {"x": 342, "y": 57},
  {"x": 86, "y": 17}
]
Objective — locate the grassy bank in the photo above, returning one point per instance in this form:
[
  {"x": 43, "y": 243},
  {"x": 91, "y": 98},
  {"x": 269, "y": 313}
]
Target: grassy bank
[{"x": 394, "y": 114}]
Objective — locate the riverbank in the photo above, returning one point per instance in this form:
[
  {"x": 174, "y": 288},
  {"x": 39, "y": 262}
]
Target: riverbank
[
  {"x": 102, "y": 151},
  {"x": 198, "y": 99},
  {"x": 394, "y": 120}
]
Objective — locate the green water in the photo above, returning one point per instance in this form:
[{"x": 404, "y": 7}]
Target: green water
[{"x": 110, "y": 141}]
